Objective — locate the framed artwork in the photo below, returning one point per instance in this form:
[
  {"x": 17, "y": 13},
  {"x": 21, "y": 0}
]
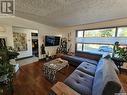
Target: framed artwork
[{"x": 20, "y": 41}]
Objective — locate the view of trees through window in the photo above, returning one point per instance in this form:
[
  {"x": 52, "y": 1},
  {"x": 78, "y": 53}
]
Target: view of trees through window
[
  {"x": 122, "y": 32},
  {"x": 101, "y": 33}
]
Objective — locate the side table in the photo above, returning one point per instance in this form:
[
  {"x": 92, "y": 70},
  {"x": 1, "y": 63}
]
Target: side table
[
  {"x": 61, "y": 89},
  {"x": 119, "y": 62}
]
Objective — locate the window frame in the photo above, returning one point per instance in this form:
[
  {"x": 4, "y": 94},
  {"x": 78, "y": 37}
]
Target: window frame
[
  {"x": 116, "y": 35},
  {"x": 77, "y": 44}
]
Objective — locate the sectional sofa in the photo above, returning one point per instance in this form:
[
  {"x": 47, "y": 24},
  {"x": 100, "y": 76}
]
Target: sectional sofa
[
  {"x": 80, "y": 57},
  {"x": 93, "y": 77}
]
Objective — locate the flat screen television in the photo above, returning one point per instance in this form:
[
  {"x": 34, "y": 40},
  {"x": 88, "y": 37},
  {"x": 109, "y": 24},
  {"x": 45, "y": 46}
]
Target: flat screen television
[{"x": 52, "y": 40}]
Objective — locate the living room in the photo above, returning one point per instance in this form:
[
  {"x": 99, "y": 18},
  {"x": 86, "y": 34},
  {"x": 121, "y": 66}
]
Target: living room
[{"x": 81, "y": 35}]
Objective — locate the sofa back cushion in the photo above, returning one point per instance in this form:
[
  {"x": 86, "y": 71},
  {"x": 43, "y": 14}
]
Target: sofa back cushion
[
  {"x": 88, "y": 55},
  {"x": 106, "y": 81},
  {"x": 108, "y": 61},
  {"x": 106, "y": 55}
]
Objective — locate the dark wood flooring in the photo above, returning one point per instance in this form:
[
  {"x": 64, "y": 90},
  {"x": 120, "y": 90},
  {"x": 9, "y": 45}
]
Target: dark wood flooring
[
  {"x": 123, "y": 79},
  {"x": 30, "y": 80}
]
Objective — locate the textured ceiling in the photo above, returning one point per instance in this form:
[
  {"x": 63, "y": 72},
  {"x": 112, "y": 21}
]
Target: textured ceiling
[{"x": 61, "y": 13}]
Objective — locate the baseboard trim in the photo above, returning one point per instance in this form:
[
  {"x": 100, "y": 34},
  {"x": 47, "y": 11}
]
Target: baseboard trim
[{"x": 23, "y": 58}]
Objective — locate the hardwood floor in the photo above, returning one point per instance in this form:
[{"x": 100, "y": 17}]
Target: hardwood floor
[
  {"x": 30, "y": 80},
  {"x": 123, "y": 79}
]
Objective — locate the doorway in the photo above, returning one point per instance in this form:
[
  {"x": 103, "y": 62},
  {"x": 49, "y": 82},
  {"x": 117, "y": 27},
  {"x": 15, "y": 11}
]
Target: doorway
[{"x": 35, "y": 44}]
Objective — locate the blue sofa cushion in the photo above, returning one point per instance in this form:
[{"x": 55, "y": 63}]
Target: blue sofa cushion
[
  {"x": 91, "y": 61},
  {"x": 110, "y": 61},
  {"x": 87, "y": 68},
  {"x": 78, "y": 60},
  {"x": 106, "y": 81},
  {"x": 106, "y": 55},
  {"x": 80, "y": 82}
]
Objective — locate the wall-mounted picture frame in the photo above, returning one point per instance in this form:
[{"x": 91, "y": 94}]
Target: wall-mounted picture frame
[{"x": 20, "y": 41}]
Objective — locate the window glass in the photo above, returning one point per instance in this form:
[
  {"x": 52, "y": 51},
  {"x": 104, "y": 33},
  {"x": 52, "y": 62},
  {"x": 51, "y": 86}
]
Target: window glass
[
  {"x": 80, "y": 34},
  {"x": 79, "y": 47},
  {"x": 97, "y": 48},
  {"x": 101, "y": 44},
  {"x": 122, "y": 32},
  {"x": 109, "y": 32}
]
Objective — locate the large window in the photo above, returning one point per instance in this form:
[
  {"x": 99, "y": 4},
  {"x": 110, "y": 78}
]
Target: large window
[
  {"x": 98, "y": 48},
  {"x": 100, "y": 40},
  {"x": 122, "y": 32},
  {"x": 100, "y": 33},
  {"x": 79, "y": 47},
  {"x": 80, "y": 33}
]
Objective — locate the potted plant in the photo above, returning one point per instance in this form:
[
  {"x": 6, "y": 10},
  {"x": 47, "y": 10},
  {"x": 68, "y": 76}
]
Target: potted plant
[
  {"x": 43, "y": 51},
  {"x": 6, "y": 69},
  {"x": 120, "y": 51}
]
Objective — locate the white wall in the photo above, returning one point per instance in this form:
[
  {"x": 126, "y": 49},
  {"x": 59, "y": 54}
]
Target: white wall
[
  {"x": 43, "y": 30},
  {"x": 7, "y": 34}
]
